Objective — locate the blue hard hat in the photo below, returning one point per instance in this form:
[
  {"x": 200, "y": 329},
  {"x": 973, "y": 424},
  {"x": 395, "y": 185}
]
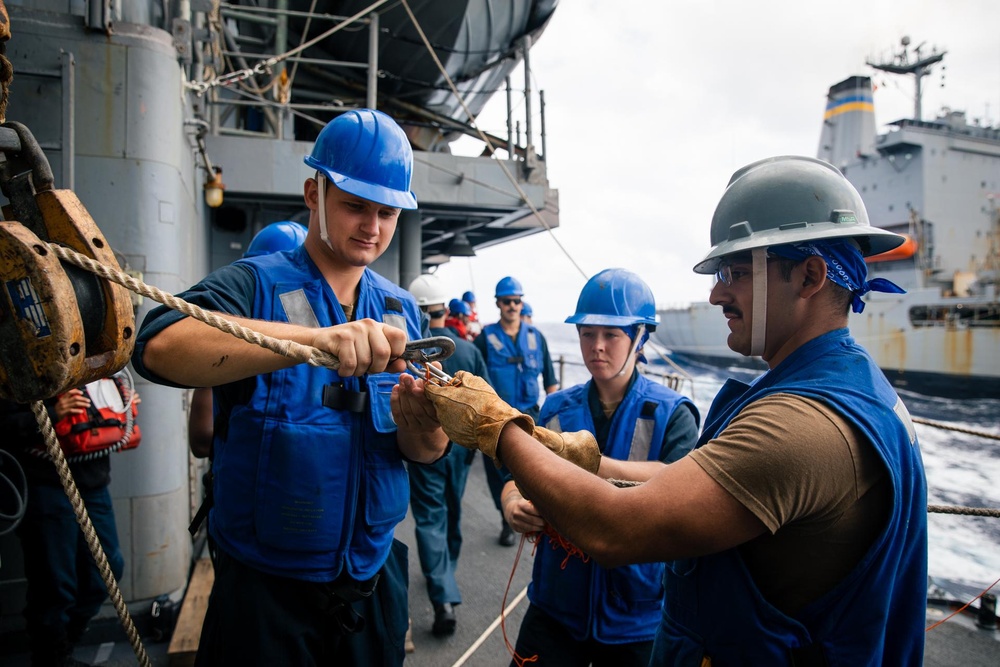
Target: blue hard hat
[
  {"x": 277, "y": 236},
  {"x": 365, "y": 153},
  {"x": 615, "y": 298},
  {"x": 459, "y": 307},
  {"x": 469, "y": 297},
  {"x": 509, "y": 287},
  {"x": 525, "y": 309}
]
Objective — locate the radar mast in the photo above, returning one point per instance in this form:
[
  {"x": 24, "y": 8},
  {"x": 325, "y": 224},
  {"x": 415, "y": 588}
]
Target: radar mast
[{"x": 919, "y": 67}]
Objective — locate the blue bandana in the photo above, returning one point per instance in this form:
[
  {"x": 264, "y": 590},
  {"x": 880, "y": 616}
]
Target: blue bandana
[{"x": 845, "y": 266}]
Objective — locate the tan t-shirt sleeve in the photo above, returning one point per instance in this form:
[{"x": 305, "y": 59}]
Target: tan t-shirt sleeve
[{"x": 785, "y": 457}]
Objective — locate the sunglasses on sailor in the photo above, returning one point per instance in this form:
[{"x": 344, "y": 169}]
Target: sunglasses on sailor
[{"x": 508, "y": 302}]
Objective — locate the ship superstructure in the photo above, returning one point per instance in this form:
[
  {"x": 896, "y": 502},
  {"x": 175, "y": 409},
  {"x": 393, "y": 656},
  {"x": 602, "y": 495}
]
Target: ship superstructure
[{"x": 937, "y": 182}]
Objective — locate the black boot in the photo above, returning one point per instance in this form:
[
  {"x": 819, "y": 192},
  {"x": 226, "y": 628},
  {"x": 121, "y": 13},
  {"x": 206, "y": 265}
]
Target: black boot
[
  {"x": 507, "y": 537},
  {"x": 444, "y": 620}
]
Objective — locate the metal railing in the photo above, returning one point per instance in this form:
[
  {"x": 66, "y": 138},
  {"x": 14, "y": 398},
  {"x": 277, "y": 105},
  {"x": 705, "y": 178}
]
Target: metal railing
[{"x": 670, "y": 380}]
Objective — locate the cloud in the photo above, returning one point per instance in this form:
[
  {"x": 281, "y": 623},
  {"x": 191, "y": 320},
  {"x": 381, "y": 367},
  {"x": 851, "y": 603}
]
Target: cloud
[{"x": 651, "y": 106}]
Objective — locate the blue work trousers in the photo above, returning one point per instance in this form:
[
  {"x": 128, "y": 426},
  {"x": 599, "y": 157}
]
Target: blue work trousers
[
  {"x": 65, "y": 588},
  {"x": 436, "y": 491}
]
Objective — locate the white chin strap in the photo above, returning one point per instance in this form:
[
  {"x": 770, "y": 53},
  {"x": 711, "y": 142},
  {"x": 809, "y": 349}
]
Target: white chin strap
[
  {"x": 321, "y": 184},
  {"x": 759, "y": 301},
  {"x": 639, "y": 331}
]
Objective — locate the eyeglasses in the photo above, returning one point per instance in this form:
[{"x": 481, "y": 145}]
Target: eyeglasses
[
  {"x": 508, "y": 302},
  {"x": 727, "y": 276}
]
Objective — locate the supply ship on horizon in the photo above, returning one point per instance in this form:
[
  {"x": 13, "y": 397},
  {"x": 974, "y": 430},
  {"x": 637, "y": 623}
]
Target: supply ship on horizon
[{"x": 937, "y": 182}]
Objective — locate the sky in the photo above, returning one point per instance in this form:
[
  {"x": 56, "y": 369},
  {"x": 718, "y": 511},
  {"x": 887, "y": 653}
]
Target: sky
[{"x": 650, "y": 106}]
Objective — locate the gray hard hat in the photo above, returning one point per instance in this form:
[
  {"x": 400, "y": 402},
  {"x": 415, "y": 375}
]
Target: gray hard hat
[{"x": 790, "y": 199}]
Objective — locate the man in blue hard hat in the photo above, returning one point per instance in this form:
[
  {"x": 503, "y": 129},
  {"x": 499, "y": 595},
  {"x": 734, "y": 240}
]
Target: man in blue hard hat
[
  {"x": 796, "y": 532},
  {"x": 527, "y": 312},
  {"x": 308, "y": 462},
  {"x": 474, "y": 326},
  {"x": 517, "y": 354},
  {"x": 276, "y": 237},
  {"x": 458, "y": 319}
]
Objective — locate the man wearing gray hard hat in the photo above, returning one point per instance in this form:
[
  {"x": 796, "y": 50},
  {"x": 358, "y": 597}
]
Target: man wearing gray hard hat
[{"x": 796, "y": 533}]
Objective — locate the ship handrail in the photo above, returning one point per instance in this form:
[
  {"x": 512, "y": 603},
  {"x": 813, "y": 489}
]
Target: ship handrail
[{"x": 671, "y": 380}]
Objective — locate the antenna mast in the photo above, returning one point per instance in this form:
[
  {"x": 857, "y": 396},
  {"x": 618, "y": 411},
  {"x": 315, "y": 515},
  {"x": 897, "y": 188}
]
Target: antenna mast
[{"x": 920, "y": 67}]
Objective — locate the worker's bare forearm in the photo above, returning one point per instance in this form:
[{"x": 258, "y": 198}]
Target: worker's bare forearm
[{"x": 194, "y": 354}]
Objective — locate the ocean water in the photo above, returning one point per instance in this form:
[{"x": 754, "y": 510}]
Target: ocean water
[{"x": 961, "y": 469}]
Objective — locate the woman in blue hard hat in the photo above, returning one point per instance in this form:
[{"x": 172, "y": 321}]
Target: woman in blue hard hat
[{"x": 582, "y": 613}]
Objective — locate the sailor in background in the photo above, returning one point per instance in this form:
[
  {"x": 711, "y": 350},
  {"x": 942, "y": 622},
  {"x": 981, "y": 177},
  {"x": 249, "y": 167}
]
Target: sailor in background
[
  {"x": 65, "y": 588},
  {"x": 458, "y": 319},
  {"x": 275, "y": 237},
  {"x": 516, "y": 354},
  {"x": 796, "y": 533},
  {"x": 526, "y": 312},
  {"x": 474, "y": 325},
  {"x": 308, "y": 473},
  {"x": 580, "y": 612},
  {"x": 436, "y": 489}
]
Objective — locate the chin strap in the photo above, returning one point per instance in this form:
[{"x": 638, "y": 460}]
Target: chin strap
[
  {"x": 321, "y": 184},
  {"x": 759, "y": 301},
  {"x": 639, "y": 331}
]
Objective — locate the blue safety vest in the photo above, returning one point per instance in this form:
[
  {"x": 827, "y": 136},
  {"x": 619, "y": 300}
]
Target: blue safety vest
[
  {"x": 515, "y": 367},
  {"x": 875, "y": 615},
  {"x": 302, "y": 490},
  {"x": 622, "y": 604}
]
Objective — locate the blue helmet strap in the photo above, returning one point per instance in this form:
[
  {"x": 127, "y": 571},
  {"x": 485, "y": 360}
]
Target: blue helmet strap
[{"x": 640, "y": 338}]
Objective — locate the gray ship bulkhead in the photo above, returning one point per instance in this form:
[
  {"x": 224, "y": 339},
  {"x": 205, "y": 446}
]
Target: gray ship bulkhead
[{"x": 110, "y": 108}]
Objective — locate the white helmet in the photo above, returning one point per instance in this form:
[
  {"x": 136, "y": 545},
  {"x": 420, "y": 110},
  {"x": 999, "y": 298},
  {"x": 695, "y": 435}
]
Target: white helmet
[{"x": 428, "y": 290}]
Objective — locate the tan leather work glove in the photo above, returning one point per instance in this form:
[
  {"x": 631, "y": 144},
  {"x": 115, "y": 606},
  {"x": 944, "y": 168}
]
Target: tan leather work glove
[
  {"x": 472, "y": 414},
  {"x": 578, "y": 447}
]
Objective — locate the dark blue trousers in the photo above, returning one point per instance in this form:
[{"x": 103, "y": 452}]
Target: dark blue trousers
[
  {"x": 255, "y": 618},
  {"x": 543, "y": 636},
  {"x": 65, "y": 588}
]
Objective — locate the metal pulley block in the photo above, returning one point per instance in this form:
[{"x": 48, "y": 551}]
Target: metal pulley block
[{"x": 60, "y": 326}]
